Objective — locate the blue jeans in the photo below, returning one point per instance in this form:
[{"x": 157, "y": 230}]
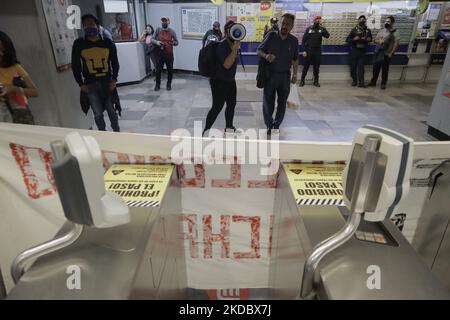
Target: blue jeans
[
  {"x": 280, "y": 84},
  {"x": 100, "y": 99},
  {"x": 357, "y": 60}
]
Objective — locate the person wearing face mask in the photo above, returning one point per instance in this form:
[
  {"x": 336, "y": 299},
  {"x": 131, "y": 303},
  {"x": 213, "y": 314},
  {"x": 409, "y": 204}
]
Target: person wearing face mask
[
  {"x": 359, "y": 38},
  {"x": 95, "y": 66},
  {"x": 165, "y": 38},
  {"x": 223, "y": 83},
  {"x": 273, "y": 26},
  {"x": 312, "y": 49},
  {"x": 214, "y": 33},
  {"x": 280, "y": 50},
  {"x": 387, "y": 41}
]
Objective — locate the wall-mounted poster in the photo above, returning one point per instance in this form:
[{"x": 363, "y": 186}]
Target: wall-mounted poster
[
  {"x": 196, "y": 21},
  {"x": 254, "y": 16},
  {"x": 61, "y": 37}
]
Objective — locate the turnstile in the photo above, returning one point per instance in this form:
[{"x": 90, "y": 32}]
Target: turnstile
[
  {"x": 432, "y": 238},
  {"x": 376, "y": 263},
  {"x": 143, "y": 259}
]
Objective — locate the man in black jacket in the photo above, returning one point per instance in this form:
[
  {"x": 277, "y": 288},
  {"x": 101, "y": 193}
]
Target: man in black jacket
[
  {"x": 280, "y": 50},
  {"x": 95, "y": 67},
  {"x": 312, "y": 49},
  {"x": 359, "y": 38}
]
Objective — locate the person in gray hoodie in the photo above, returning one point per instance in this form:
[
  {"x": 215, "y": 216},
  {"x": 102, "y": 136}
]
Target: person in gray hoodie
[{"x": 165, "y": 38}]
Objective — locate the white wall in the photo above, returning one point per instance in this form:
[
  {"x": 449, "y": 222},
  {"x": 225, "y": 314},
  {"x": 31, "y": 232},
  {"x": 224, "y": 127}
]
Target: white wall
[
  {"x": 186, "y": 54},
  {"x": 58, "y": 101}
]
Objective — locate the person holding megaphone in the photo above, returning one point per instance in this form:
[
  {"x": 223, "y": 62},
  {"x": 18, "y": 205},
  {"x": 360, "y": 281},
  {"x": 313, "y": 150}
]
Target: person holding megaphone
[{"x": 223, "y": 83}]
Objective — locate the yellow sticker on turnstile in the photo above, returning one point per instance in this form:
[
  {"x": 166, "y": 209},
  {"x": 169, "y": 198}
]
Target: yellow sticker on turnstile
[
  {"x": 316, "y": 184},
  {"x": 139, "y": 185}
]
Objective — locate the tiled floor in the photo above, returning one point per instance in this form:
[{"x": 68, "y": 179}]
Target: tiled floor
[{"x": 330, "y": 113}]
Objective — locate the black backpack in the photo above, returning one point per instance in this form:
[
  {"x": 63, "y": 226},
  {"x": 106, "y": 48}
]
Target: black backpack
[{"x": 207, "y": 64}]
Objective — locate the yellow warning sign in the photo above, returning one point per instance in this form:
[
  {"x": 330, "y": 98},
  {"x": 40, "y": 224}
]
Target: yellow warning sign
[
  {"x": 139, "y": 185},
  {"x": 316, "y": 184}
]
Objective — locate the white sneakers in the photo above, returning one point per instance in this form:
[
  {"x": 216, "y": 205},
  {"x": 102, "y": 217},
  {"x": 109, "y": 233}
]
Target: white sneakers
[{"x": 233, "y": 132}]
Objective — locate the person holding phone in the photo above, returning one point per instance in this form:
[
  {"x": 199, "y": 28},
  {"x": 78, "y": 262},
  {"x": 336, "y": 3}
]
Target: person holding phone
[
  {"x": 146, "y": 37},
  {"x": 165, "y": 39},
  {"x": 16, "y": 85}
]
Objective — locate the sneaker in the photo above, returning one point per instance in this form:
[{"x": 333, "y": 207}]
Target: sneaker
[
  {"x": 157, "y": 87},
  {"x": 275, "y": 132},
  {"x": 316, "y": 84},
  {"x": 169, "y": 87},
  {"x": 269, "y": 132},
  {"x": 372, "y": 84},
  {"x": 302, "y": 83},
  {"x": 383, "y": 87},
  {"x": 233, "y": 131},
  {"x": 362, "y": 85},
  {"x": 354, "y": 84}
]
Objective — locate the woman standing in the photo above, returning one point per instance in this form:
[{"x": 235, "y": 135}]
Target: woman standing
[
  {"x": 146, "y": 38},
  {"x": 15, "y": 85}
]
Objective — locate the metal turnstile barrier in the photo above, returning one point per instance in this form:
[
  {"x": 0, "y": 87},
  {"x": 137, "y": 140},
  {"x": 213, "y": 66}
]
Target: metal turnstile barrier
[
  {"x": 432, "y": 238},
  {"x": 350, "y": 271},
  {"x": 143, "y": 259}
]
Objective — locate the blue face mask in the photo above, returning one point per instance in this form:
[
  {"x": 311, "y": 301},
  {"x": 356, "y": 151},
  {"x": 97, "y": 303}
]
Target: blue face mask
[{"x": 91, "y": 32}]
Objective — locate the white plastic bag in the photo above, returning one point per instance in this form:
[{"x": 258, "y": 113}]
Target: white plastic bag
[{"x": 293, "y": 101}]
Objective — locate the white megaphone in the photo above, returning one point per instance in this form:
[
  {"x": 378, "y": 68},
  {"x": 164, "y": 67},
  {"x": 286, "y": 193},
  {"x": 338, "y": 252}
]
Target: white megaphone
[{"x": 238, "y": 32}]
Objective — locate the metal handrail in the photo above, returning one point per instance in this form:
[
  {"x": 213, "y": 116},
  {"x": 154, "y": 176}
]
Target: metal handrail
[
  {"x": 361, "y": 189},
  {"x": 322, "y": 249},
  {"x": 22, "y": 260}
]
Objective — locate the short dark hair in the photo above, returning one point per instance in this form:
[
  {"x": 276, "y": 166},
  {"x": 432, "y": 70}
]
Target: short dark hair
[
  {"x": 9, "y": 54},
  {"x": 90, "y": 16},
  {"x": 150, "y": 26},
  {"x": 228, "y": 25},
  {"x": 288, "y": 16},
  {"x": 362, "y": 16},
  {"x": 391, "y": 18}
]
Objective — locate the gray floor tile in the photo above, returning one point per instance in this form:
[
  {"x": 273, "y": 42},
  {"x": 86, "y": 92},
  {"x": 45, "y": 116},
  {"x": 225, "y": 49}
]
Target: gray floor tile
[{"x": 331, "y": 113}]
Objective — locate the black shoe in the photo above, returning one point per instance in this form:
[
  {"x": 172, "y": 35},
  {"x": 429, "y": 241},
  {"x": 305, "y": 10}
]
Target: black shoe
[
  {"x": 302, "y": 83},
  {"x": 157, "y": 87},
  {"x": 372, "y": 84},
  {"x": 362, "y": 85},
  {"x": 169, "y": 87},
  {"x": 269, "y": 132},
  {"x": 316, "y": 84},
  {"x": 354, "y": 84},
  {"x": 383, "y": 87}
]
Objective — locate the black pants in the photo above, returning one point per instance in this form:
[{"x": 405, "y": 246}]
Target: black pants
[
  {"x": 357, "y": 59},
  {"x": 384, "y": 68},
  {"x": 279, "y": 84},
  {"x": 222, "y": 91},
  {"x": 313, "y": 57},
  {"x": 164, "y": 59}
]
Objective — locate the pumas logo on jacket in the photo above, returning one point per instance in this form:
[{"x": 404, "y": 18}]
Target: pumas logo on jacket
[{"x": 96, "y": 61}]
